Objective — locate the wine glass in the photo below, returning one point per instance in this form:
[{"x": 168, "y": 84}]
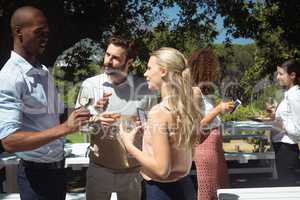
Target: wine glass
[
  {"x": 114, "y": 130},
  {"x": 86, "y": 99},
  {"x": 271, "y": 106},
  {"x": 103, "y": 92}
]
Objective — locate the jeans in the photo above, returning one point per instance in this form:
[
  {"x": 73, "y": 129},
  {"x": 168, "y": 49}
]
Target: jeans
[
  {"x": 180, "y": 190},
  {"x": 41, "y": 184}
]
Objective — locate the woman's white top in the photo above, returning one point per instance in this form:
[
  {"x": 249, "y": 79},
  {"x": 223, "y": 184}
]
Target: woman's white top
[
  {"x": 288, "y": 111},
  {"x": 208, "y": 106}
]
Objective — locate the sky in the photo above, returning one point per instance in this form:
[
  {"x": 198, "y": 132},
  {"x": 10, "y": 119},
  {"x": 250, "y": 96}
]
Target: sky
[
  {"x": 172, "y": 12},
  {"x": 222, "y": 34}
]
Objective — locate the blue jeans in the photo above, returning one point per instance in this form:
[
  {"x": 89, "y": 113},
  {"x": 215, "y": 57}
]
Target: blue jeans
[
  {"x": 182, "y": 189},
  {"x": 41, "y": 183}
]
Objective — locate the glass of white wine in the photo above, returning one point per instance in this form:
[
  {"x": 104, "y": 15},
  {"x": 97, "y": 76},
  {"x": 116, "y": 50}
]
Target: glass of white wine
[
  {"x": 86, "y": 99},
  {"x": 271, "y": 106}
]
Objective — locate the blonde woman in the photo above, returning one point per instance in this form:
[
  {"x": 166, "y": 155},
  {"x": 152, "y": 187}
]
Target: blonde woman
[{"x": 171, "y": 129}]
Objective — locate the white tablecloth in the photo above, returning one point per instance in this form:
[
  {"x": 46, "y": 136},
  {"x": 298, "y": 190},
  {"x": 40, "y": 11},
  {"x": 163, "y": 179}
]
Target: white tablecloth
[
  {"x": 268, "y": 193},
  {"x": 70, "y": 196}
]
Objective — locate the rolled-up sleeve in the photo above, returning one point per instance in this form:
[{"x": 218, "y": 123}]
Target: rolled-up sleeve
[
  {"x": 292, "y": 124},
  {"x": 10, "y": 110}
]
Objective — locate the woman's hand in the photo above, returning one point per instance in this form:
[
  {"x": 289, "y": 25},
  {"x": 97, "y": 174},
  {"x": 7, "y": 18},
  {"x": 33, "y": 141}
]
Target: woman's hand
[
  {"x": 278, "y": 124},
  {"x": 270, "y": 109},
  {"x": 128, "y": 136},
  {"x": 225, "y": 106}
]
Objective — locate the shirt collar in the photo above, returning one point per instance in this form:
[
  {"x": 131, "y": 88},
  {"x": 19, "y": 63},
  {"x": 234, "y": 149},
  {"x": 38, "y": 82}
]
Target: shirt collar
[{"x": 25, "y": 66}]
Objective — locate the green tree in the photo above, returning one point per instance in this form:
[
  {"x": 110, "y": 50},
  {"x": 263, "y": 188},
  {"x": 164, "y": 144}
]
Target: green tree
[
  {"x": 234, "y": 61},
  {"x": 73, "y": 20},
  {"x": 274, "y": 26}
]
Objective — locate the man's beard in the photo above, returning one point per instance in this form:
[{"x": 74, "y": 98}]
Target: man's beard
[
  {"x": 117, "y": 75},
  {"x": 109, "y": 70}
]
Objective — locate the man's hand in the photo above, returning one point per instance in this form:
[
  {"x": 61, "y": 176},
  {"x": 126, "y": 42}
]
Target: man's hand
[
  {"x": 102, "y": 103},
  {"x": 106, "y": 119},
  {"x": 77, "y": 119}
]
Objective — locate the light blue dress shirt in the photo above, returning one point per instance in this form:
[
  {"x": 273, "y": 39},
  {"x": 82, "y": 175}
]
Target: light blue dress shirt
[{"x": 29, "y": 102}]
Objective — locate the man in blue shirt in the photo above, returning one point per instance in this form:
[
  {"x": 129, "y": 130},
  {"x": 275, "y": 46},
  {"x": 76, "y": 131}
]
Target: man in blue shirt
[
  {"x": 30, "y": 108},
  {"x": 1, "y": 147}
]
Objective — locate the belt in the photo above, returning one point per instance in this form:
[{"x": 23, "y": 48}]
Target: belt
[
  {"x": 37, "y": 165},
  {"x": 117, "y": 171}
]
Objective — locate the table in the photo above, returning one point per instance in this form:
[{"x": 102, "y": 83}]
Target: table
[
  {"x": 245, "y": 157},
  {"x": 69, "y": 196},
  {"x": 76, "y": 160},
  {"x": 267, "y": 193},
  {"x": 234, "y": 128},
  {"x": 77, "y": 157}
]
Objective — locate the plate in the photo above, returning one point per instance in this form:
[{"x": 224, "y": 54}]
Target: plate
[{"x": 260, "y": 119}]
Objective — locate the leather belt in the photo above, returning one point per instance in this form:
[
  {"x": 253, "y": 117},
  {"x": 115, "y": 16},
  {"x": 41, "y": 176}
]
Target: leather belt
[{"x": 37, "y": 165}]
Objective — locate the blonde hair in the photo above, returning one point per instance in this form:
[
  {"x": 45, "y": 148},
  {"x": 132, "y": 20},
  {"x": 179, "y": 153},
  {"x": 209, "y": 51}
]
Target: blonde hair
[{"x": 180, "y": 95}]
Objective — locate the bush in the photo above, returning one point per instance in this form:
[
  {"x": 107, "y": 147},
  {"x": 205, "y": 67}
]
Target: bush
[{"x": 242, "y": 113}]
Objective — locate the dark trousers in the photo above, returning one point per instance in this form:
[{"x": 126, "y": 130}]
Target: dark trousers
[
  {"x": 286, "y": 159},
  {"x": 180, "y": 190},
  {"x": 41, "y": 183}
]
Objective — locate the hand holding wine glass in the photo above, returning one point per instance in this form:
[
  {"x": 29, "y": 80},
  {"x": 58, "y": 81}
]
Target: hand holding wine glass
[
  {"x": 102, "y": 103},
  {"x": 77, "y": 119},
  {"x": 86, "y": 100},
  {"x": 271, "y": 106}
]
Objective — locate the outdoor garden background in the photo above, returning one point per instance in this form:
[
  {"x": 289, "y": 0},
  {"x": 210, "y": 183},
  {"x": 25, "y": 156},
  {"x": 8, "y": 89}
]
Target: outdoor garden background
[{"x": 250, "y": 38}]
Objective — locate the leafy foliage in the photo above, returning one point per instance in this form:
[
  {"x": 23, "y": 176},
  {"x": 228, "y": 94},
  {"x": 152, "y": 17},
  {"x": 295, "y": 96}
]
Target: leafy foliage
[
  {"x": 241, "y": 114},
  {"x": 273, "y": 24}
]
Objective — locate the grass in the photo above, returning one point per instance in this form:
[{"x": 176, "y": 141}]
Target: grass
[{"x": 75, "y": 138}]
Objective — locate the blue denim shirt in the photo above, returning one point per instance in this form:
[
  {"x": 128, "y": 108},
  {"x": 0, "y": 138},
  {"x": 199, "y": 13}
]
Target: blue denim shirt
[{"x": 29, "y": 102}]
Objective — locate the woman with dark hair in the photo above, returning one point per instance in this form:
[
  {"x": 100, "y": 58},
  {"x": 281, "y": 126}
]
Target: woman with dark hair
[
  {"x": 212, "y": 172},
  {"x": 286, "y": 133}
]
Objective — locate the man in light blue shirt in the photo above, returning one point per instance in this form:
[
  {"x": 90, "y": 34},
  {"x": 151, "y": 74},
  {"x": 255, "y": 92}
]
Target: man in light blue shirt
[{"x": 30, "y": 108}]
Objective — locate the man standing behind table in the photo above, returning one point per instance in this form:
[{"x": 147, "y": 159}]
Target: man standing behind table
[
  {"x": 30, "y": 108},
  {"x": 118, "y": 92}
]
